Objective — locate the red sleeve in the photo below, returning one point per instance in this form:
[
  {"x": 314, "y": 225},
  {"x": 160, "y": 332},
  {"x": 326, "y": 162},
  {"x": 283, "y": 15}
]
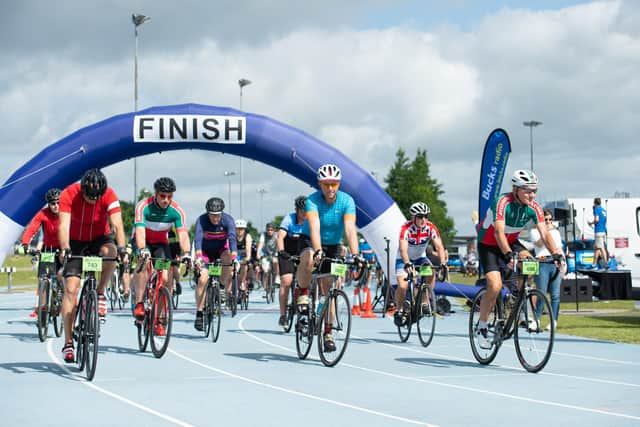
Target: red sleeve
[
  {"x": 32, "y": 228},
  {"x": 539, "y": 212},
  {"x": 66, "y": 198},
  {"x": 501, "y": 207},
  {"x": 435, "y": 233},
  {"x": 403, "y": 230},
  {"x": 111, "y": 202}
]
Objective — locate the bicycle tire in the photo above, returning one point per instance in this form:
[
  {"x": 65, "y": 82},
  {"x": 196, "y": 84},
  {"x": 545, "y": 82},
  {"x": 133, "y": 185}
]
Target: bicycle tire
[
  {"x": 79, "y": 330},
  {"x": 533, "y": 343},
  {"x": 289, "y": 310},
  {"x": 426, "y": 319},
  {"x": 305, "y": 329},
  {"x": 112, "y": 290},
  {"x": 92, "y": 335},
  {"x": 340, "y": 327},
  {"x": 207, "y": 309},
  {"x": 216, "y": 316},
  {"x": 56, "y": 304},
  {"x": 161, "y": 314},
  {"x": 143, "y": 326},
  {"x": 42, "y": 320},
  {"x": 486, "y": 356},
  {"x": 404, "y": 331},
  {"x": 234, "y": 295}
]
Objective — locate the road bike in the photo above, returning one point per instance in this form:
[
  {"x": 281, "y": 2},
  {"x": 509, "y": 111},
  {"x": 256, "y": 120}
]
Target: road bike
[{"x": 50, "y": 292}]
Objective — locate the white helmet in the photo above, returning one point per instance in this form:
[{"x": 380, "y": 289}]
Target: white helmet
[
  {"x": 241, "y": 223},
  {"x": 524, "y": 177},
  {"x": 419, "y": 208},
  {"x": 329, "y": 172}
]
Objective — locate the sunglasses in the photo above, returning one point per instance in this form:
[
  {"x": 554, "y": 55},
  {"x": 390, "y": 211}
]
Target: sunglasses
[
  {"x": 548, "y": 219},
  {"x": 421, "y": 216},
  {"x": 164, "y": 196},
  {"x": 529, "y": 191},
  {"x": 329, "y": 184},
  {"x": 54, "y": 203}
]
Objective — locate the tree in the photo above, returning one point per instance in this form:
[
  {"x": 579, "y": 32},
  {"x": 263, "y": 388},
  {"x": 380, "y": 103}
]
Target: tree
[{"x": 410, "y": 182}]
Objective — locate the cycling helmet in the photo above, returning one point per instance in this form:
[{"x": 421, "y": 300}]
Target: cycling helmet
[
  {"x": 215, "y": 205},
  {"x": 524, "y": 177},
  {"x": 329, "y": 172},
  {"x": 52, "y": 195},
  {"x": 164, "y": 185},
  {"x": 300, "y": 202},
  {"x": 269, "y": 225},
  {"x": 419, "y": 208},
  {"x": 93, "y": 184},
  {"x": 241, "y": 223}
]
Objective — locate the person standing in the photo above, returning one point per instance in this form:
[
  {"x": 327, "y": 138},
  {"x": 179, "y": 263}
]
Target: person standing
[
  {"x": 599, "y": 224},
  {"x": 549, "y": 277}
]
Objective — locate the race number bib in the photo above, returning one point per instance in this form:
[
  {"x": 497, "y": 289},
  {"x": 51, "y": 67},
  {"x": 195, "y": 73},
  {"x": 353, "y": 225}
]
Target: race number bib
[
  {"x": 162, "y": 264},
  {"x": 426, "y": 270},
  {"x": 48, "y": 257},
  {"x": 338, "y": 269},
  {"x": 215, "y": 270},
  {"x": 92, "y": 263},
  {"x": 530, "y": 268}
]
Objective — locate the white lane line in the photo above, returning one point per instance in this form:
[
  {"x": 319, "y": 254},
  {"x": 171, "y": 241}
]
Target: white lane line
[
  {"x": 515, "y": 368},
  {"x": 472, "y": 389},
  {"x": 111, "y": 394},
  {"x": 295, "y": 392}
]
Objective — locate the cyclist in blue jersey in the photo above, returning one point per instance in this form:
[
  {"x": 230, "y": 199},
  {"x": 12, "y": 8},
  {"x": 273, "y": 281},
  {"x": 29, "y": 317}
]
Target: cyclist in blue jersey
[
  {"x": 215, "y": 239},
  {"x": 288, "y": 237},
  {"x": 330, "y": 213}
]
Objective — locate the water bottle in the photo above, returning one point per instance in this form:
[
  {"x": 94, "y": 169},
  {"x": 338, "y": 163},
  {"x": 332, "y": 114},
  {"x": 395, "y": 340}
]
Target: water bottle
[{"x": 320, "y": 304}]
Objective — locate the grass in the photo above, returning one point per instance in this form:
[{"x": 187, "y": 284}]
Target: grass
[
  {"x": 25, "y": 275},
  {"x": 616, "y": 320}
]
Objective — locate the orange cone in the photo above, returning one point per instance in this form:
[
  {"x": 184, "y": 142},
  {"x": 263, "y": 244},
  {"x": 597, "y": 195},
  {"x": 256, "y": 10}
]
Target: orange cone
[
  {"x": 368, "y": 309},
  {"x": 355, "y": 309}
]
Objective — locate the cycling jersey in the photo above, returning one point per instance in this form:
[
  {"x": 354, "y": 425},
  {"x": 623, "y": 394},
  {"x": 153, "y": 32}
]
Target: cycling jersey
[
  {"x": 157, "y": 221},
  {"x": 417, "y": 239},
  {"x": 242, "y": 246},
  {"x": 366, "y": 251},
  {"x": 269, "y": 244},
  {"x": 213, "y": 239},
  {"x": 516, "y": 217},
  {"x": 46, "y": 219},
  {"x": 294, "y": 230},
  {"x": 331, "y": 216},
  {"x": 88, "y": 221}
]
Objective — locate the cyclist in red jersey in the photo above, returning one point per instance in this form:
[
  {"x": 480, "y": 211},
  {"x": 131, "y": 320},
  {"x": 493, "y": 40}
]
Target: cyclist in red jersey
[
  {"x": 86, "y": 208},
  {"x": 47, "y": 220},
  {"x": 498, "y": 235}
]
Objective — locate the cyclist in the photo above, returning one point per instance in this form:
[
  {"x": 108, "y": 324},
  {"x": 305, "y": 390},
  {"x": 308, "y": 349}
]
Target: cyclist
[
  {"x": 46, "y": 220},
  {"x": 330, "y": 213},
  {"x": 244, "y": 241},
  {"x": 415, "y": 236},
  {"x": 215, "y": 239},
  {"x": 86, "y": 208},
  {"x": 498, "y": 235},
  {"x": 155, "y": 216},
  {"x": 288, "y": 238},
  {"x": 268, "y": 247},
  {"x": 176, "y": 252}
]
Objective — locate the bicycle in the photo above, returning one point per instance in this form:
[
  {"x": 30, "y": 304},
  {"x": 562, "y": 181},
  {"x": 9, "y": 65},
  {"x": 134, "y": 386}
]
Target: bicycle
[
  {"x": 533, "y": 331},
  {"x": 115, "y": 289},
  {"x": 86, "y": 331},
  {"x": 290, "y": 309},
  {"x": 212, "y": 309},
  {"x": 243, "y": 296},
  {"x": 50, "y": 293},
  {"x": 158, "y": 310},
  {"x": 269, "y": 287},
  {"x": 332, "y": 314},
  {"x": 420, "y": 306}
]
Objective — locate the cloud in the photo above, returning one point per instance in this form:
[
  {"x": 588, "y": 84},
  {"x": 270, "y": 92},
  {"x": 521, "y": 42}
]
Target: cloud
[{"x": 367, "y": 91}]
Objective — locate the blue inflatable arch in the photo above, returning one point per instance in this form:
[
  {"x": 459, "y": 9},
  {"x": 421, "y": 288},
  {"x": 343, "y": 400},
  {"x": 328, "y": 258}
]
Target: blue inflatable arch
[{"x": 193, "y": 126}]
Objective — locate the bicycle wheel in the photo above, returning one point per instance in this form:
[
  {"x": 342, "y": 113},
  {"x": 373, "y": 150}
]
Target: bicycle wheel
[
  {"x": 234, "y": 296},
  {"x": 207, "y": 309},
  {"x": 404, "y": 330},
  {"x": 289, "y": 310},
  {"x": 216, "y": 314},
  {"x": 161, "y": 322},
  {"x": 42, "y": 321},
  {"x": 112, "y": 290},
  {"x": 56, "y": 304},
  {"x": 92, "y": 335},
  {"x": 335, "y": 319},
  {"x": 144, "y": 326},
  {"x": 494, "y": 327},
  {"x": 533, "y": 337},
  {"x": 79, "y": 329},
  {"x": 176, "y": 294},
  {"x": 426, "y": 315}
]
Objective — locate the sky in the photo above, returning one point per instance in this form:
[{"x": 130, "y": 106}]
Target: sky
[{"x": 368, "y": 77}]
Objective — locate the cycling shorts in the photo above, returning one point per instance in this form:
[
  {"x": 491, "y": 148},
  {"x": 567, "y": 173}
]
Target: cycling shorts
[
  {"x": 92, "y": 248},
  {"x": 330, "y": 251},
  {"x": 491, "y": 257}
]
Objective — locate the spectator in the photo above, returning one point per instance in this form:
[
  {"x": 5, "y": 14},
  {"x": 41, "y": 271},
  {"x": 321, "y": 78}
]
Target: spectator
[
  {"x": 599, "y": 224},
  {"x": 549, "y": 277}
]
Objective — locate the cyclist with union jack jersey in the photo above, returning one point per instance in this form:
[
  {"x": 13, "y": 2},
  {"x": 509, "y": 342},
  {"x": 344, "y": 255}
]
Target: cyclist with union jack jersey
[{"x": 415, "y": 236}]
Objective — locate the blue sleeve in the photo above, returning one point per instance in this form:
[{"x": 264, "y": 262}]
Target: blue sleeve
[
  {"x": 310, "y": 204},
  {"x": 230, "y": 225},
  {"x": 197, "y": 241},
  {"x": 349, "y": 205},
  {"x": 286, "y": 223}
]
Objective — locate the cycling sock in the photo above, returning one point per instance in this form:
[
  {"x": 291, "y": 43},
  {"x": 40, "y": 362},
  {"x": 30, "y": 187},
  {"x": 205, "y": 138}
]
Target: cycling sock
[{"x": 482, "y": 324}]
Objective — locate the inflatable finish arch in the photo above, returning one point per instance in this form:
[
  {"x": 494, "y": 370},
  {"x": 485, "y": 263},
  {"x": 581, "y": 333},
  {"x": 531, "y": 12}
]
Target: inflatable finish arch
[{"x": 193, "y": 126}]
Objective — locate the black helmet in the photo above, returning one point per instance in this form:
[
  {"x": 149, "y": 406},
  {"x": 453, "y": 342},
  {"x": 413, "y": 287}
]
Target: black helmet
[
  {"x": 164, "y": 185},
  {"x": 93, "y": 184},
  {"x": 300, "y": 202},
  {"x": 52, "y": 195},
  {"x": 215, "y": 205}
]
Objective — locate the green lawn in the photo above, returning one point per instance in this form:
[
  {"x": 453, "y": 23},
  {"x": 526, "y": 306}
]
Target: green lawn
[{"x": 25, "y": 275}]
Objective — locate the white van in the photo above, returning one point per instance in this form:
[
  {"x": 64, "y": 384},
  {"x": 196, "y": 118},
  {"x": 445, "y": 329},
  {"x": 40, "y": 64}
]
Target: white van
[{"x": 623, "y": 229}]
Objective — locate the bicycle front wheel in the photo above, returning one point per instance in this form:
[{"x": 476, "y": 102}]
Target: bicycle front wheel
[
  {"x": 216, "y": 314},
  {"x": 426, "y": 315},
  {"x": 56, "y": 304},
  {"x": 489, "y": 350},
  {"x": 42, "y": 321},
  {"x": 534, "y": 334},
  {"x": 289, "y": 310},
  {"x": 161, "y": 322},
  {"x": 92, "y": 335},
  {"x": 335, "y": 322}
]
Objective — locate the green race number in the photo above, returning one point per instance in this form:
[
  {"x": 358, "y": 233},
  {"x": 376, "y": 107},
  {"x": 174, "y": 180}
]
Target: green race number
[
  {"x": 215, "y": 270},
  {"x": 92, "y": 263},
  {"x": 530, "y": 268},
  {"x": 338, "y": 269},
  {"x": 161, "y": 264},
  {"x": 426, "y": 270},
  {"x": 48, "y": 257}
]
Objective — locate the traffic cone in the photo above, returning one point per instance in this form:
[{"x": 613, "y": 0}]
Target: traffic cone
[
  {"x": 368, "y": 309},
  {"x": 355, "y": 309}
]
